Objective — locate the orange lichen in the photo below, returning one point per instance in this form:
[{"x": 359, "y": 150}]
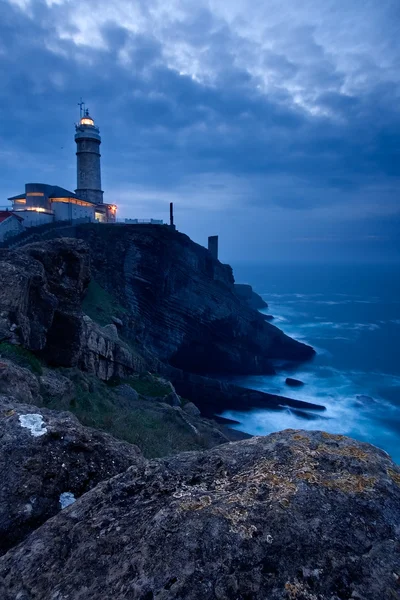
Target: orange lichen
[
  {"x": 346, "y": 451},
  {"x": 299, "y": 437},
  {"x": 349, "y": 483},
  {"x": 333, "y": 436},
  {"x": 394, "y": 476}
]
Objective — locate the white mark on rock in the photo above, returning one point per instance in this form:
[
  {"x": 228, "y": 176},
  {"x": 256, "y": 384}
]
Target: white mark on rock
[
  {"x": 33, "y": 422},
  {"x": 270, "y": 539},
  {"x": 67, "y": 498}
]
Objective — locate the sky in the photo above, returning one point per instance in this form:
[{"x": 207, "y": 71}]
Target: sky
[{"x": 274, "y": 124}]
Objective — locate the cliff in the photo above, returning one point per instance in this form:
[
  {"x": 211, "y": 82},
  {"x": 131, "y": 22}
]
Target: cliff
[
  {"x": 292, "y": 516},
  {"x": 181, "y": 303},
  {"x": 248, "y": 295},
  {"x": 295, "y": 515},
  {"x": 42, "y": 287}
]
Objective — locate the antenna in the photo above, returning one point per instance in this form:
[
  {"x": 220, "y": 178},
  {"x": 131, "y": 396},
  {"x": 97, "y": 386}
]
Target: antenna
[{"x": 81, "y": 110}]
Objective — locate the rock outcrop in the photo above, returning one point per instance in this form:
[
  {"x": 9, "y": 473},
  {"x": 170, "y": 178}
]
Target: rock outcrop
[
  {"x": 248, "y": 295},
  {"x": 181, "y": 303},
  {"x": 213, "y": 396},
  {"x": 48, "y": 458},
  {"x": 18, "y": 382},
  {"x": 295, "y": 515},
  {"x": 41, "y": 291}
]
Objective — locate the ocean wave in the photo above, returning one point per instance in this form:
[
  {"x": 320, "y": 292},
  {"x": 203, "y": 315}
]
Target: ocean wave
[
  {"x": 351, "y": 408},
  {"x": 347, "y": 326}
]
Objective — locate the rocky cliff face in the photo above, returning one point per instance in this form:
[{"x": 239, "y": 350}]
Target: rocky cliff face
[
  {"x": 248, "y": 295},
  {"x": 182, "y": 304},
  {"x": 41, "y": 291},
  {"x": 295, "y": 515}
]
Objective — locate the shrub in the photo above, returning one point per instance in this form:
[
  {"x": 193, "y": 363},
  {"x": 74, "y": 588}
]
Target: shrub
[{"x": 21, "y": 356}]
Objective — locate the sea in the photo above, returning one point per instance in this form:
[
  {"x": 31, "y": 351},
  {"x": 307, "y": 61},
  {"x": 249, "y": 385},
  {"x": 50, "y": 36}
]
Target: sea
[{"x": 350, "y": 314}]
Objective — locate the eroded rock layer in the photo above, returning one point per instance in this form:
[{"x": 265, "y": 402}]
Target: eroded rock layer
[
  {"x": 295, "y": 515},
  {"x": 41, "y": 290},
  {"x": 182, "y": 303}
]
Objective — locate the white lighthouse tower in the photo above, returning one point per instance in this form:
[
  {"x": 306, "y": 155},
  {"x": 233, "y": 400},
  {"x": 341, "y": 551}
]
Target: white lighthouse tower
[{"x": 88, "y": 142}]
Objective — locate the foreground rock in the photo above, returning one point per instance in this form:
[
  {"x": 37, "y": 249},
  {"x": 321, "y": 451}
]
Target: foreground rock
[
  {"x": 46, "y": 460},
  {"x": 295, "y": 515},
  {"x": 181, "y": 304}
]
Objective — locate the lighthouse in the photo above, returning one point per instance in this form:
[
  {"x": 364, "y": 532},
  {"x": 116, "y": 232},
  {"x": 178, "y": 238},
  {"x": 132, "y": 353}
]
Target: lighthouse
[{"x": 88, "y": 140}]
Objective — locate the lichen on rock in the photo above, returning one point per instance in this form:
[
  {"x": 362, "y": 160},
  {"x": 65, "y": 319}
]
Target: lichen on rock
[{"x": 238, "y": 521}]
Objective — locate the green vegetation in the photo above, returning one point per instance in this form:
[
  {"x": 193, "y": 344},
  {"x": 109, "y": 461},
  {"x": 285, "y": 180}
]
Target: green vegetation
[
  {"x": 100, "y": 305},
  {"x": 146, "y": 385},
  {"x": 21, "y": 356},
  {"x": 156, "y": 429},
  {"x": 149, "y": 386}
]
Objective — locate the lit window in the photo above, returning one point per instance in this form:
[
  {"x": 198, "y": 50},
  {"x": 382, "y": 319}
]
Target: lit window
[
  {"x": 87, "y": 121},
  {"x": 41, "y": 194}
]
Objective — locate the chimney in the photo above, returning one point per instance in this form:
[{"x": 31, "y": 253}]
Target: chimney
[
  {"x": 171, "y": 215},
  {"x": 213, "y": 246}
]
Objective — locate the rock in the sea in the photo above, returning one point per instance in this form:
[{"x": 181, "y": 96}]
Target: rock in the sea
[
  {"x": 294, "y": 382},
  {"x": 362, "y": 398},
  {"x": 45, "y": 455},
  {"x": 295, "y": 515}
]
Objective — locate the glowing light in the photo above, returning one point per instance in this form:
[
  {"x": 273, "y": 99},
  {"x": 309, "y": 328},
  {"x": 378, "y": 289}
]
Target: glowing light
[{"x": 87, "y": 121}]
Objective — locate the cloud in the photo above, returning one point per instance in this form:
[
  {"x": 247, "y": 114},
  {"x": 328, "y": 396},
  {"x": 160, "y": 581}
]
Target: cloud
[{"x": 262, "y": 108}]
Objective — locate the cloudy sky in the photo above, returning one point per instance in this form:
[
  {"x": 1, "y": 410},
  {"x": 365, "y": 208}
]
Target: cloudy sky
[{"x": 273, "y": 123}]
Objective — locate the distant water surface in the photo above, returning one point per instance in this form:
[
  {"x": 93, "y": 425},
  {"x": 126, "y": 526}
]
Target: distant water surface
[{"x": 351, "y": 316}]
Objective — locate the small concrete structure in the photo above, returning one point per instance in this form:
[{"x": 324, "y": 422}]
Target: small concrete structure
[
  {"x": 213, "y": 245},
  {"x": 10, "y": 225},
  {"x": 144, "y": 221}
]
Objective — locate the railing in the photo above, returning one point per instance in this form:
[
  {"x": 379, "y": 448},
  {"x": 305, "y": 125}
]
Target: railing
[{"x": 142, "y": 221}]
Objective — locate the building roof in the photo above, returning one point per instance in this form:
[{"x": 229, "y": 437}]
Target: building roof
[
  {"x": 59, "y": 192},
  {"x": 51, "y": 191},
  {"x": 19, "y": 197},
  {"x": 6, "y": 214}
]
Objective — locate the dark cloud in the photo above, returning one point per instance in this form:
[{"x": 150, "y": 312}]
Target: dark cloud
[{"x": 192, "y": 107}]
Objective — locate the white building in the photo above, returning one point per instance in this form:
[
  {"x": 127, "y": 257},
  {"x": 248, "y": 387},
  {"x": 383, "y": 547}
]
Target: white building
[
  {"x": 42, "y": 203},
  {"x": 10, "y": 225}
]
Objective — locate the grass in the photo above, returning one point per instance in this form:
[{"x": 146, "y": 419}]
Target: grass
[
  {"x": 149, "y": 386},
  {"x": 21, "y": 356},
  {"x": 157, "y": 430},
  {"x": 100, "y": 305}
]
